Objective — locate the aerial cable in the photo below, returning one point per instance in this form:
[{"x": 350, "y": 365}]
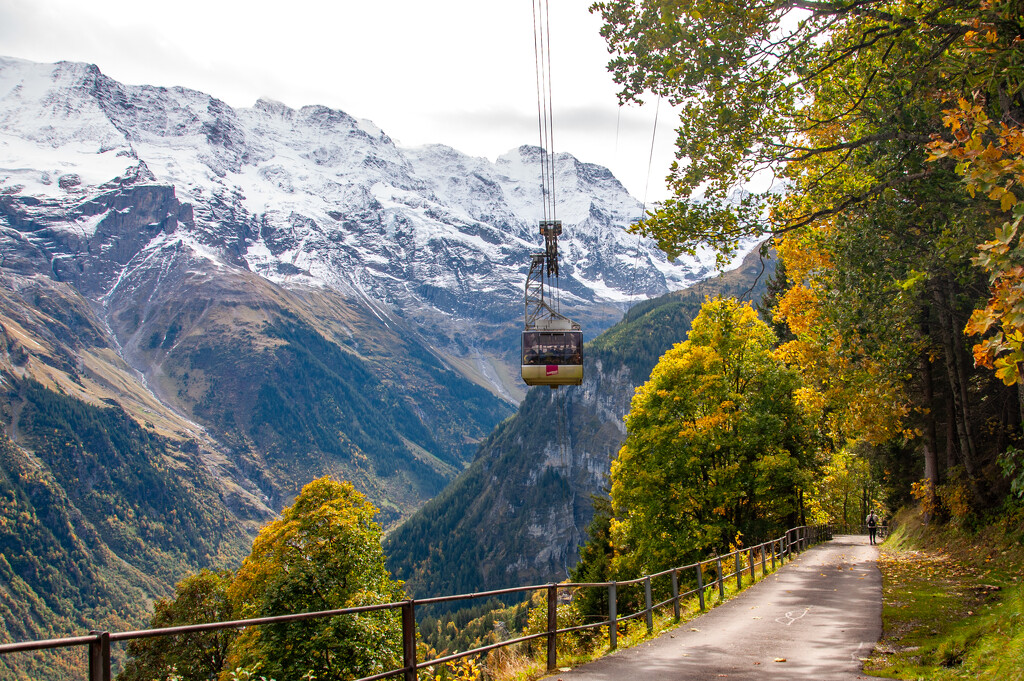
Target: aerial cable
[
  {"x": 545, "y": 120},
  {"x": 650, "y": 156},
  {"x": 545, "y": 126},
  {"x": 647, "y": 186},
  {"x": 551, "y": 108}
]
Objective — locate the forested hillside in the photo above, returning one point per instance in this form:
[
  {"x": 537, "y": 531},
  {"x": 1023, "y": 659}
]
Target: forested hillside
[{"x": 98, "y": 517}]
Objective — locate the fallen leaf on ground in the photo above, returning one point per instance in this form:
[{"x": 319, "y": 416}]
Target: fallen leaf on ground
[{"x": 780, "y": 659}]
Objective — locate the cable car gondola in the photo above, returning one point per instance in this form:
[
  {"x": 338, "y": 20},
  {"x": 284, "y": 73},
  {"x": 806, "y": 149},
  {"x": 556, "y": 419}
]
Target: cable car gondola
[
  {"x": 552, "y": 343},
  {"x": 553, "y": 357}
]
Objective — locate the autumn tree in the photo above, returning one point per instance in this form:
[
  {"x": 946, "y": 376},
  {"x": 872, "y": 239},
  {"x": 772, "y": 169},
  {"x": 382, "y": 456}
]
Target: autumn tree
[
  {"x": 843, "y": 491},
  {"x": 716, "y": 446},
  {"x": 323, "y": 553},
  {"x": 840, "y": 101},
  {"x": 990, "y": 156},
  {"x": 751, "y": 79}
]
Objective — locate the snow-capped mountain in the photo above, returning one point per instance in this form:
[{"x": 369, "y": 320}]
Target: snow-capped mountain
[{"x": 315, "y": 197}]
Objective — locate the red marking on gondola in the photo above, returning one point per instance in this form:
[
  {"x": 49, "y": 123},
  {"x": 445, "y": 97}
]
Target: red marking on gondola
[{"x": 552, "y": 369}]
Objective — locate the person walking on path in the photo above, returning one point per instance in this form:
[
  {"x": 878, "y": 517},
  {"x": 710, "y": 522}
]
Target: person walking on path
[{"x": 872, "y": 521}]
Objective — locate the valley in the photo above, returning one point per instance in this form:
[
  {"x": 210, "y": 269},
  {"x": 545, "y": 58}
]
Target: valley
[{"x": 255, "y": 298}]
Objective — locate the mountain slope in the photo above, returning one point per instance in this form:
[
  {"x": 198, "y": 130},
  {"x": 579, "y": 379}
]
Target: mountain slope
[{"x": 536, "y": 474}]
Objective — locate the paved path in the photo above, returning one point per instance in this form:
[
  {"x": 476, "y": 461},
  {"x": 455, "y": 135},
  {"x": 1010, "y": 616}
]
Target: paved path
[{"x": 822, "y": 613}]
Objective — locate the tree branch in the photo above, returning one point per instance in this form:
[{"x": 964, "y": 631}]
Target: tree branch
[{"x": 853, "y": 200}]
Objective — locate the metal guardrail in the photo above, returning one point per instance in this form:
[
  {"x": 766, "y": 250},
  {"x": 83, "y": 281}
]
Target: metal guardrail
[{"x": 794, "y": 541}]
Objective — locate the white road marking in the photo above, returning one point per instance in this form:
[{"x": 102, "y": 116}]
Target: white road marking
[{"x": 789, "y": 616}]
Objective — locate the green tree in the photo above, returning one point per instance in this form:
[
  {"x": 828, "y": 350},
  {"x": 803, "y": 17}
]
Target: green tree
[
  {"x": 751, "y": 78},
  {"x": 716, "y": 446},
  {"x": 323, "y": 553},
  {"x": 198, "y": 599},
  {"x": 839, "y": 492}
]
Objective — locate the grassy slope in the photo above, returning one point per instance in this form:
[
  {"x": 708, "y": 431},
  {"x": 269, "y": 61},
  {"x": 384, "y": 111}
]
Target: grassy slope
[{"x": 954, "y": 602}]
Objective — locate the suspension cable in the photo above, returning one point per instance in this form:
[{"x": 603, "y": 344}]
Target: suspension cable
[
  {"x": 545, "y": 123},
  {"x": 545, "y": 117},
  {"x": 643, "y": 209}
]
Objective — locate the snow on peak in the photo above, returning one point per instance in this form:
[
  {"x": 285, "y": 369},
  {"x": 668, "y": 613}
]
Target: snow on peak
[{"x": 318, "y": 193}]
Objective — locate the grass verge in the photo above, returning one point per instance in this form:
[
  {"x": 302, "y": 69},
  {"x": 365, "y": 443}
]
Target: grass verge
[{"x": 953, "y": 602}]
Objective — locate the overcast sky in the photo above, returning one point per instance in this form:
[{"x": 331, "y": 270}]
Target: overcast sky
[{"x": 455, "y": 72}]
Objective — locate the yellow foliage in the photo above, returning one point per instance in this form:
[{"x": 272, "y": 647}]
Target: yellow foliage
[{"x": 464, "y": 669}]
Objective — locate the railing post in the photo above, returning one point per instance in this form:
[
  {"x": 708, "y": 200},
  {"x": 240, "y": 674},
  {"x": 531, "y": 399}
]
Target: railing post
[
  {"x": 773, "y": 555},
  {"x": 648, "y": 610},
  {"x": 409, "y": 639},
  {"x": 700, "y": 585},
  {"x": 721, "y": 581},
  {"x": 739, "y": 572},
  {"x": 750, "y": 561},
  {"x": 613, "y": 626},
  {"x": 675, "y": 594},
  {"x": 552, "y": 626},
  {"x": 764, "y": 567},
  {"x": 99, "y": 656}
]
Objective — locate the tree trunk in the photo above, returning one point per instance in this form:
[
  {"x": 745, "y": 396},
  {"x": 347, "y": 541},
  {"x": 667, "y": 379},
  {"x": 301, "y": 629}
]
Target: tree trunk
[
  {"x": 951, "y": 455},
  {"x": 931, "y": 462},
  {"x": 1020, "y": 391},
  {"x": 957, "y": 380},
  {"x": 956, "y": 369},
  {"x": 846, "y": 504}
]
